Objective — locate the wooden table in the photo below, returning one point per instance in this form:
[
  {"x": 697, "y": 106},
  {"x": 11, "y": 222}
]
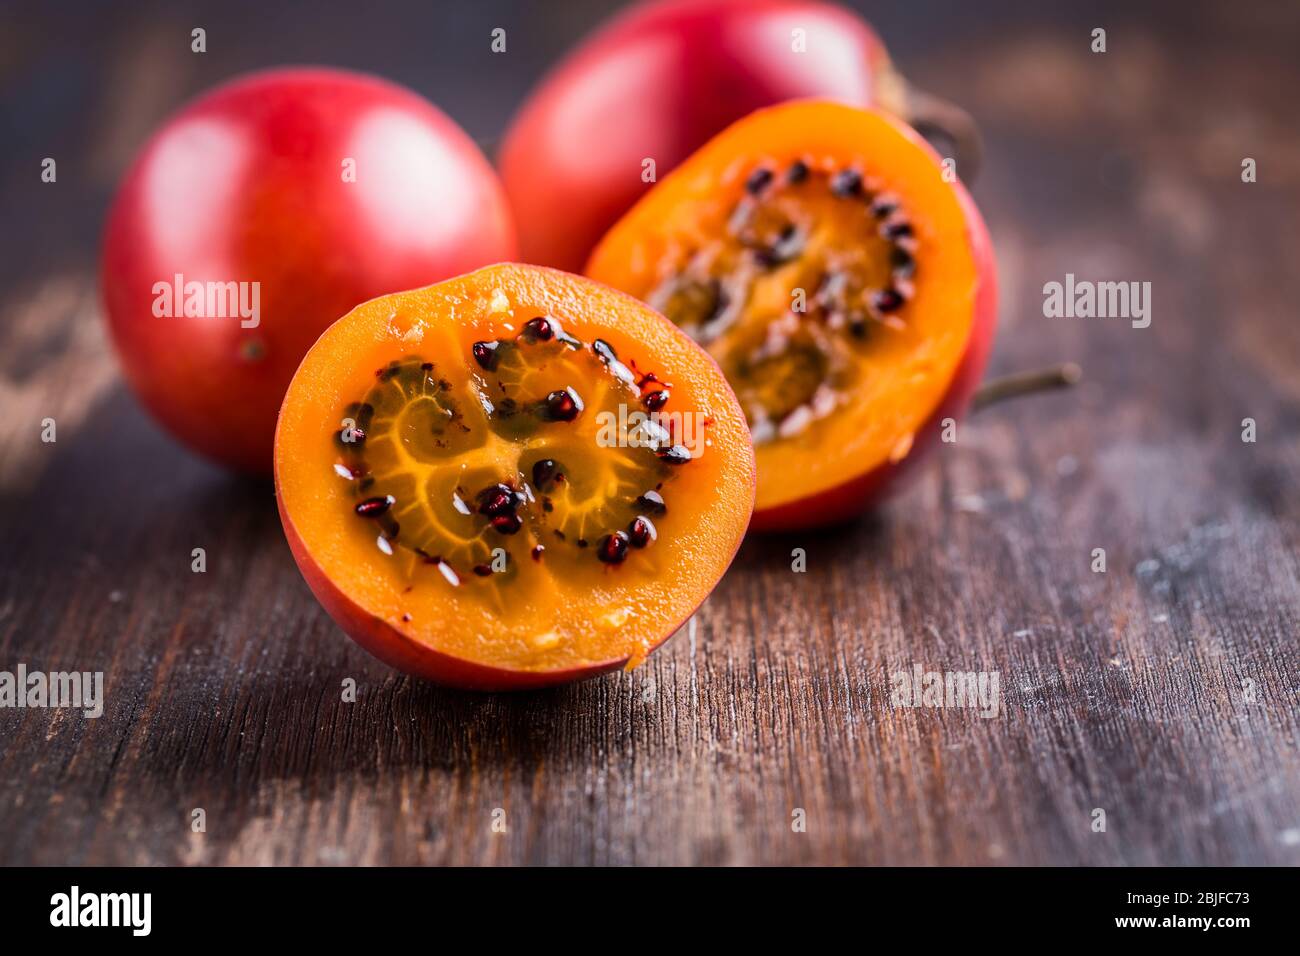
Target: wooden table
[{"x": 1163, "y": 691}]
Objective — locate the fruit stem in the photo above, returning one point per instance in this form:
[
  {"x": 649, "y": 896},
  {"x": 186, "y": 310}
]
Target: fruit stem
[{"x": 1026, "y": 383}]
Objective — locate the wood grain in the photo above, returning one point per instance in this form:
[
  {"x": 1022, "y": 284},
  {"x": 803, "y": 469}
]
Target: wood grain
[{"x": 1128, "y": 691}]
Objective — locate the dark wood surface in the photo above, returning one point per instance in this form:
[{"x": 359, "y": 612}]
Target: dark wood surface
[{"x": 1129, "y": 691}]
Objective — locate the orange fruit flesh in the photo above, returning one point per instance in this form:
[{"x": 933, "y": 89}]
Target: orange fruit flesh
[
  {"x": 484, "y": 506},
  {"x": 817, "y": 253}
]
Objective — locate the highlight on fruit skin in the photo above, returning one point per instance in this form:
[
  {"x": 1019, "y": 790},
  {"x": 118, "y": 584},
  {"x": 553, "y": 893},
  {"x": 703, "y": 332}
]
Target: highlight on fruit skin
[
  {"x": 845, "y": 286},
  {"x": 481, "y": 487}
]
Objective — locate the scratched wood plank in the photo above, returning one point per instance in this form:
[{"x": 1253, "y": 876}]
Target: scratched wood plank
[{"x": 1163, "y": 691}]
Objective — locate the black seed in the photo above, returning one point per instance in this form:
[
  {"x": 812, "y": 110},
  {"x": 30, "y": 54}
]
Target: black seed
[
  {"x": 758, "y": 180},
  {"x": 858, "y": 326},
  {"x": 718, "y": 301},
  {"x": 482, "y": 570},
  {"x": 485, "y": 353},
  {"x": 655, "y": 400},
  {"x": 507, "y": 523},
  {"x": 360, "y": 412},
  {"x": 374, "y": 507},
  {"x": 538, "y": 551},
  {"x": 496, "y": 500},
  {"x": 641, "y": 531},
  {"x": 390, "y": 527},
  {"x": 883, "y": 206},
  {"x": 677, "y": 455},
  {"x": 356, "y": 434},
  {"x": 613, "y": 548},
  {"x": 797, "y": 172},
  {"x": 538, "y": 330},
  {"x": 652, "y": 502},
  {"x": 902, "y": 262},
  {"x": 604, "y": 351},
  {"x": 847, "y": 182},
  {"x": 546, "y": 472},
  {"x": 563, "y": 405},
  {"x": 886, "y": 300},
  {"x": 582, "y": 542},
  {"x": 896, "y": 228},
  {"x": 427, "y": 366},
  {"x": 547, "y": 506},
  {"x": 389, "y": 373},
  {"x": 787, "y": 246}
]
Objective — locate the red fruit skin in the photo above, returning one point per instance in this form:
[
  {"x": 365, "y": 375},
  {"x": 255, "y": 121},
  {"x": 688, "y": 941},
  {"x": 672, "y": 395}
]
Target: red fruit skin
[
  {"x": 412, "y": 656},
  {"x": 246, "y": 184},
  {"x": 852, "y": 498},
  {"x": 658, "y": 82}
]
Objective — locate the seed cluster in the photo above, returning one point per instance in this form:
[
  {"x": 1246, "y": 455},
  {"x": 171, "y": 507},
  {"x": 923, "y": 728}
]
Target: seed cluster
[
  {"x": 501, "y": 503},
  {"x": 892, "y": 225},
  {"x": 502, "y": 509},
  {"x": 787, "y": 366}
]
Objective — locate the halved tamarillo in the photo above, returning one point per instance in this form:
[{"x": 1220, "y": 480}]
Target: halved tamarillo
[
  {"x": 514, "y": 478},
  {"x": 846, "y": 288}
]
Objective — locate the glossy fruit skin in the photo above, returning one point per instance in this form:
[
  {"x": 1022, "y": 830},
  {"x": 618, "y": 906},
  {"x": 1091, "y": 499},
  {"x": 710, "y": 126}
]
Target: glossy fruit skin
[
  {"x": 851, "y": 499},
  {"x": 658, "y": 82},
  {"x": 250, "y": 183},
  {"x": 411, "y": 656},
  {"x": 402, "y": 651}
]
